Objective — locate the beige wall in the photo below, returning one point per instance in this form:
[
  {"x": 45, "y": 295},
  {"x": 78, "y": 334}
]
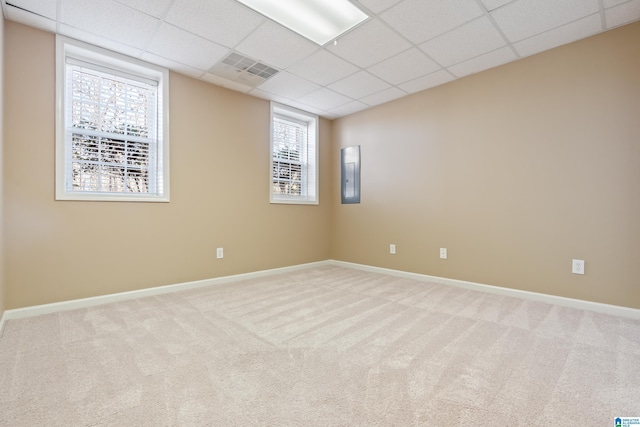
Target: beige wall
[
  {"x": 61, "y": 250},
  {"x": 1, "y": 172},
  {"x": 515, "y": 170}
]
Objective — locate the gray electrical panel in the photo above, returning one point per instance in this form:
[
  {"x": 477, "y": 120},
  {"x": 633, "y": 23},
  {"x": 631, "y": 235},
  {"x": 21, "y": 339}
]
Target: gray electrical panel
[{"x": 350, "y": 173}]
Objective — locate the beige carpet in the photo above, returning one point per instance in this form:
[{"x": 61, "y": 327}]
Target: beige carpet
[{"x": 326, "y": 346}]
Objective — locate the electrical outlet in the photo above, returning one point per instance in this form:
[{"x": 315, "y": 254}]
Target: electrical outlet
[
  {"x": 220, "y": 253},
  {"x": 392, "y": 249},
  {"x": 443, "y": 253},
  {"x": 577, "y": 266}
]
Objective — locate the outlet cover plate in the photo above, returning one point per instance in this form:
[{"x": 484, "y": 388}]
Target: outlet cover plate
[
  {"x": 443, "y": 253},
  {"x": 577, "y": 266}
]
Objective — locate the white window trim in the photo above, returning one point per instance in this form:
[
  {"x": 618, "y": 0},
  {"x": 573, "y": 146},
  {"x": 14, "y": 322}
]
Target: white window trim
[
  {"x": 312, "y": 123},
  {"x": 66, "y": 47}
]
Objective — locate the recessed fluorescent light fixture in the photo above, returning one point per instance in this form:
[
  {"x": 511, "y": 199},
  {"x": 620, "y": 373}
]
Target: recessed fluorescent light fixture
[{"x": 318, "y": 20}]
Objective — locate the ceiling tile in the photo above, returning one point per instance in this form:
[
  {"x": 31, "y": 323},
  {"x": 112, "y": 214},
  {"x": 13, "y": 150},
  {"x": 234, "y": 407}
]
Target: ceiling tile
[
  {"x": 178, "y": 45},
  {"x": 468, "y": 41},
  {"x": 484, "y": 62},
  {"x": 276, "y": 46},
  {"x": 383, "y": 96},
  {"x": 103, "y": 42},
  {"x": 405, "y": 66},
  {"x": 494, "y": 4},
  {"x": 109, "y": 19},
  {"x": 623, "y": 14},
  {"x": 359, "y": 84},
  {"x": 270, "y": 96},
  {"x": 421, "y": 20},
  {"x": 368, "y": 44},
  {"x": 228, "y": 84},
  {"x": 28, "y": 18},
  {"x": 350, "y": 108},
  {"x": 155, "y": 8},
  {"x": 323, "y": 68},
  {"x": 526, "y": 18},
  {"x": 226, "y": 22},
  {"x": 308, "y": 108},
  {"x": 426, "y": 82},
  {"x": 566, "y": 34},
  {"x": 172, "y": 65},
  {"x": 45, "y": 8},
  {"x": 288, "y": 85},
  {"x": 611, "y": 3},
  {"x": 377, "y": 6},
  {"x": 324, "y": 99}
]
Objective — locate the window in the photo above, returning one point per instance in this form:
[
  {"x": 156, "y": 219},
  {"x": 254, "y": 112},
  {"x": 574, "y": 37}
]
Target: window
[
  {"x": 294, "y": 160},
  {"x": 112, "y": 134}
]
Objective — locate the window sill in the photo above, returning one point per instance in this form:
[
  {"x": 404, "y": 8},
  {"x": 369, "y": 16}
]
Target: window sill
[
  {"x": 89, "y": 197},
  {"x": 293, "y": 202}
]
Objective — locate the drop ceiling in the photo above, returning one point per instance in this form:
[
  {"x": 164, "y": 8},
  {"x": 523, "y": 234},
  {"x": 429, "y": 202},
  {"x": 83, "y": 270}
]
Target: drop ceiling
[{"x": 404, "y": 47}]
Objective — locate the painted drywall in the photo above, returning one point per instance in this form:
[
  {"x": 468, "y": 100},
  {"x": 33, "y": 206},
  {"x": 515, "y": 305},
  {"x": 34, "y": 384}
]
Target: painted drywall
[
  {"x": 62, "y": 250},
  {"x": 1, "y": 162},
  {"x": 516, "y": 171}
]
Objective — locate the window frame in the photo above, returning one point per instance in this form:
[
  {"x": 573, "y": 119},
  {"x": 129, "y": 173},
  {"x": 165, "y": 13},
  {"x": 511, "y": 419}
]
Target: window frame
[
  {"x": 310, "y": 168},
  {"x": 120, "y": 65}
]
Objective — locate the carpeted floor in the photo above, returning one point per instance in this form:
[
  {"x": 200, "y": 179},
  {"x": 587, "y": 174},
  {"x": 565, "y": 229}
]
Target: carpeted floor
[{"x": 325, "y": 346}]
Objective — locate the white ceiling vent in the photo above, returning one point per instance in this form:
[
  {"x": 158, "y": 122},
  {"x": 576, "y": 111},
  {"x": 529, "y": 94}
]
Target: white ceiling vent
[{"x": 242, "y": 69}]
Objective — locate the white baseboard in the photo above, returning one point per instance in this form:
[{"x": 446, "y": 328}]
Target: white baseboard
[
  {"x": 37, "y": 310},
  {"x": 613, "y": 310},
  {"x": 2, "y": 320},
  {"x": 20, "y": 313}
]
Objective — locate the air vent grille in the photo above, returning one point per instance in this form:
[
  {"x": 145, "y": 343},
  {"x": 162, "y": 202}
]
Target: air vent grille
[{"x": 242, "y": 69}]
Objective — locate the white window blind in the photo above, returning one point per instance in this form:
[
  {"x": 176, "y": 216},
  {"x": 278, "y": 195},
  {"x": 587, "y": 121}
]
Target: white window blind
[
  {"x": 113, "y": 132},
  {"x": 112, "y": 145},
  {"x": 293, "y": 152},
  {"x": 289, "y": 143}
]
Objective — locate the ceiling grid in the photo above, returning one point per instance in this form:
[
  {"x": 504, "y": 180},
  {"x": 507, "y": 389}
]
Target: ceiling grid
[{"x": 404, "y": 47}]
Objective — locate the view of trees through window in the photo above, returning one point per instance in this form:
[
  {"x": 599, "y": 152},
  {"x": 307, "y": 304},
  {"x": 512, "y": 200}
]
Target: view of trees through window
[
  {"x": 289, "y": 139},
  {"x": 112, "y": 133}
]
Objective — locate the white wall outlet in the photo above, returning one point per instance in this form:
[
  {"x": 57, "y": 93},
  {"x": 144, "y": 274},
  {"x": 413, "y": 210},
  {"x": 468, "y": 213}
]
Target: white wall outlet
[
  {"x": 220, "y": 253},
  {"x": 577, "y": 266},
  {"x": 443, "y": 253},
  {"x": 392, "y": 249}
]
